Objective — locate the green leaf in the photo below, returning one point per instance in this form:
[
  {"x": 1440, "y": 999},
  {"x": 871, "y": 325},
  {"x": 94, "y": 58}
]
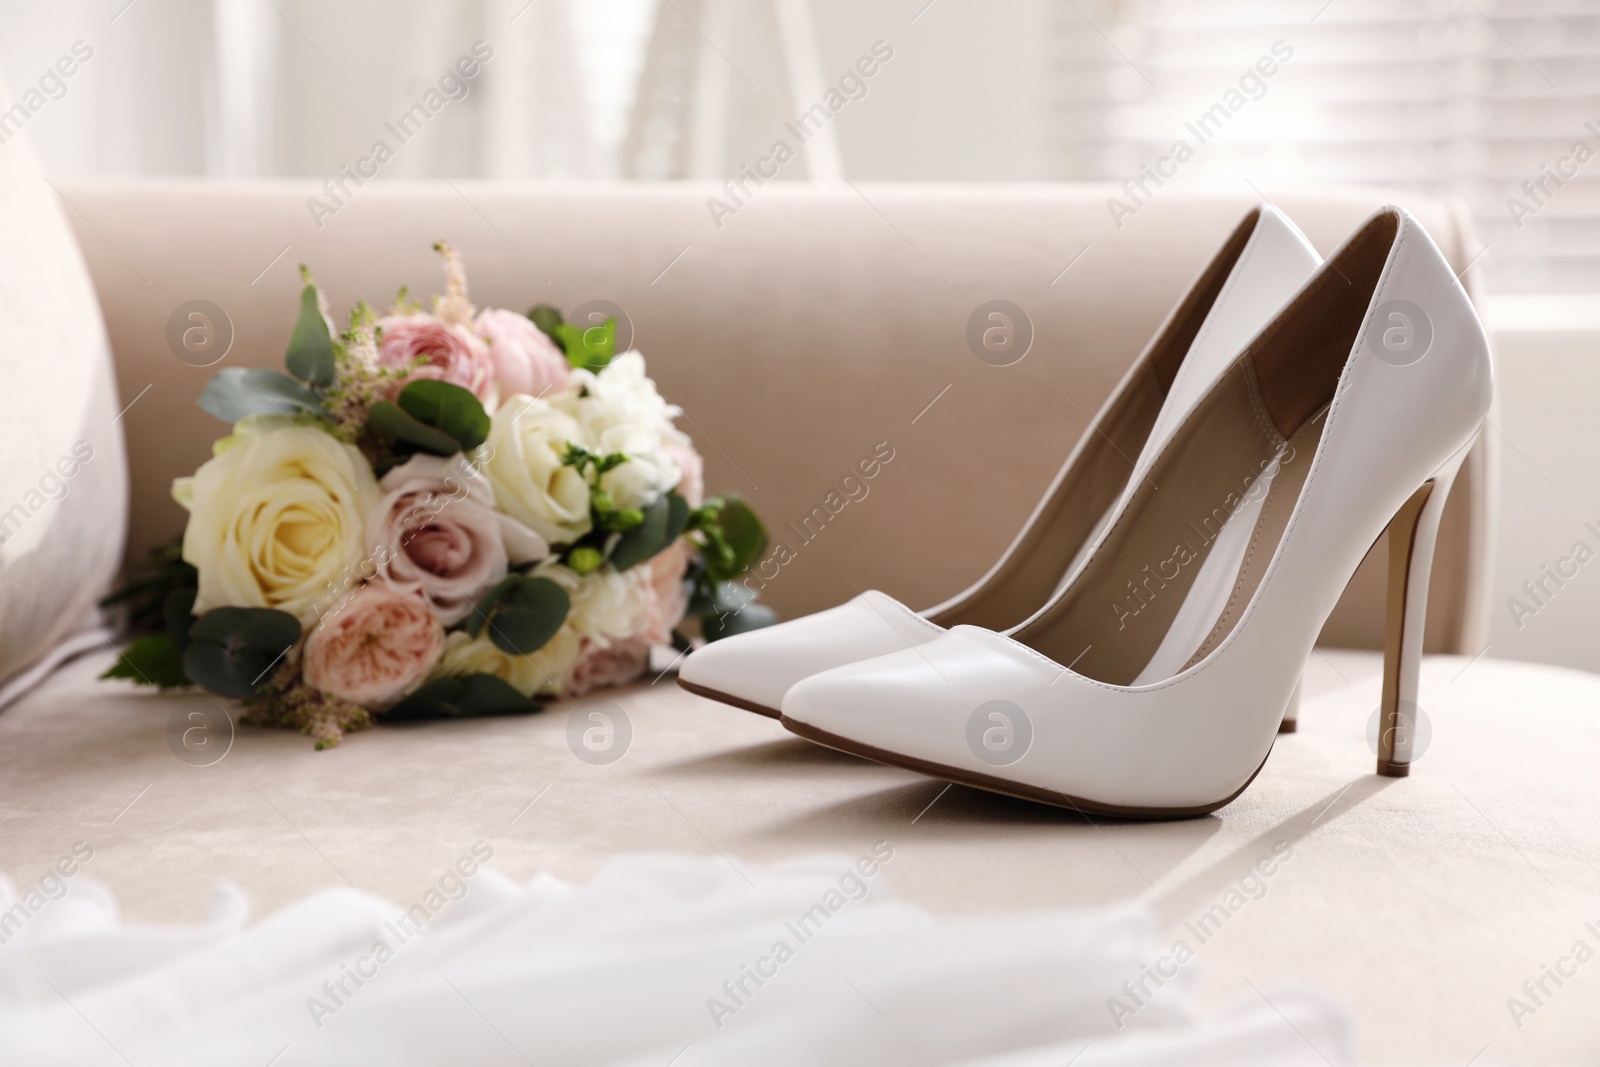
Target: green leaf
[
  {"x": 151, "y": 660},
  {"x": 238, "y": 392},
  {"x": 233, "y": 651},
  {"x": 456, "y": 698},
  {"x": 547, "y": 319},
  {"x": 310, "y": 355},
  {"x": 487, "y": 603},
  {"x": 390, "y": 421},
  {"x": 163, "y": 573},
  {"x": 744, "y": 535},
  {"x": 735, "y": 612},
  {"x": 448, "y": 408},
  {"x": 677, "y": 518},
  {"x": 528, "y": 616},
  {"x": 720, "y": 598},
  {"x": 646, "y": 539},
  {"x": 589, "y": 347},
  {"x": 178, "y": 612}
]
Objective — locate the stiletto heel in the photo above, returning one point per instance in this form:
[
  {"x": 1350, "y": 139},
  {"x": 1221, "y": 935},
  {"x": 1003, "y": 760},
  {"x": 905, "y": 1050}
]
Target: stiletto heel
[
  {"x": 1291, "y": 714},
  {"x": 1412, "y": 534}
]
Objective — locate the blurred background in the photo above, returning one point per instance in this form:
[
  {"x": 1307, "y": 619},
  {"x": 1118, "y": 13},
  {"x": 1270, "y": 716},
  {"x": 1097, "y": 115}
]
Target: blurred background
[{"x": 1495, "y": 104}]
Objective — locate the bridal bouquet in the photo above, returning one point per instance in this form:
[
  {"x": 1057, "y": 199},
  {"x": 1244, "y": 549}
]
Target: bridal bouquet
[{"x": 437, "y": 513}]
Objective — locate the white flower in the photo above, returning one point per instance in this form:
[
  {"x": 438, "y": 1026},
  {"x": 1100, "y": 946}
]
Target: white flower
[
  {"x": 620, "y": 411},
  {"x": 609, "y": 609},
  {"x": 276, "y": 518},
  {"x": 539, "y": 672},
  {"x": 607, "y": 605},
  {"x": 522, "y": 458}
]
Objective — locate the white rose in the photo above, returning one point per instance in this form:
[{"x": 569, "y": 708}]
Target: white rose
[
  {"x": 276, "y": 518},
  {"x": 538, "y": 672},
  {"x": 522, "y": 458},
  {"x": 620, "y": 411}
]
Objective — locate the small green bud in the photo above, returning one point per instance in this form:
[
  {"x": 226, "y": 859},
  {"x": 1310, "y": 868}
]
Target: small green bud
[{"x": 584, "y": 559}]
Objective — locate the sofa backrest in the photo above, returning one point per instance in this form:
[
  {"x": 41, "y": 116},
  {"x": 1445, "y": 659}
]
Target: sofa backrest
[{"x": 801, "y": 328}]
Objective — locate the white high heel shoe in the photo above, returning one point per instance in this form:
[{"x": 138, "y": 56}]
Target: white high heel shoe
[
  {"x": 1152, "y": 685},
  {"x": 1261, "y": 265}
]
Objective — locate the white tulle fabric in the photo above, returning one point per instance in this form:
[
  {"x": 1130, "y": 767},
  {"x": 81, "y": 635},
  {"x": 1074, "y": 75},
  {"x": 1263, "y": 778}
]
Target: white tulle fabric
[{"x": 622, "y": 970}]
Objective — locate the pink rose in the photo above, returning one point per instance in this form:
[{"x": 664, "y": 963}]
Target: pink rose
[
  {"x": 436, "y": 535},
  {"x": 525, "y": 360},
  {"x": 669, "y": 595},
  {"x": 602, "y": 666},
  {"x": 377, "y": 647},
  {"x": 453, "y": 353},
  {"x": 692, "y": 485}
]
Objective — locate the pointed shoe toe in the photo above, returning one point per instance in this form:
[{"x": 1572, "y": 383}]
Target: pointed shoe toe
[{"x": 754, "y": 670}]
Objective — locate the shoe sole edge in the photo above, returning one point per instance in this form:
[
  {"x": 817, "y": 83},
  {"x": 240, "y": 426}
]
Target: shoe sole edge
[
  {"x": 979, "y": 780},
  {"x": 729, "y": 699}
]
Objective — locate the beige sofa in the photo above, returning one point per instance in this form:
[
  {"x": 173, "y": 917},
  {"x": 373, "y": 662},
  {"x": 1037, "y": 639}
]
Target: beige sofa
[
  {"x": 805, "y": 330},
  {"x": 800, "y": 334}
]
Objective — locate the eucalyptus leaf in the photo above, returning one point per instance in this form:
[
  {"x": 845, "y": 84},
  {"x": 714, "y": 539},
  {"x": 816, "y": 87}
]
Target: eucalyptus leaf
[
  {"x": 528, "y": 616},
  {"x": 720, "y": 598},
  {"x": 646, "y": 539},
  {"x": 486, "y": 604},
  {"x": 233, "y": 651},
  {"x": 152, "y": 660},
  {"x": 744, "y": 534},
  {"x": 238, "y": 392},
  {"x": 310, "y": 355},
  {"x": 749, "y": 616},
  {"x": 448, "y": 408},
  {"x": 677, "y": 518},
  {"x": 456, "y": 698},
  {"x": 178, "y": 613},
  {"x": 391, "y": 421}
]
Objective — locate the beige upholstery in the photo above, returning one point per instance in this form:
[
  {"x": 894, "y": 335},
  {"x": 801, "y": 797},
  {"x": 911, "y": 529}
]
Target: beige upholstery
[
  {"x": 63, "y": 479},
  {"x": 813, "y": 325},
  {"x": 1418, "y": 904}
]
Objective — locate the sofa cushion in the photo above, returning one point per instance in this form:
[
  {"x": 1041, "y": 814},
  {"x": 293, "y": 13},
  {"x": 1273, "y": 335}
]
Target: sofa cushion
[
  {"x": 63, "y": 473},
  {"x": 1420, "y": 904}
]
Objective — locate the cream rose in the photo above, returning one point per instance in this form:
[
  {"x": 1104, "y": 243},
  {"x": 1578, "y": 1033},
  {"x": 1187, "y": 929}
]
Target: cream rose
[
  {"x": 374, "y": 649},
  {"x": 276, "y": 518},
  {"x": 527, "y": 440},
  {"x": 540, "y": 672},
  {"x": 436, "y": 534}
]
